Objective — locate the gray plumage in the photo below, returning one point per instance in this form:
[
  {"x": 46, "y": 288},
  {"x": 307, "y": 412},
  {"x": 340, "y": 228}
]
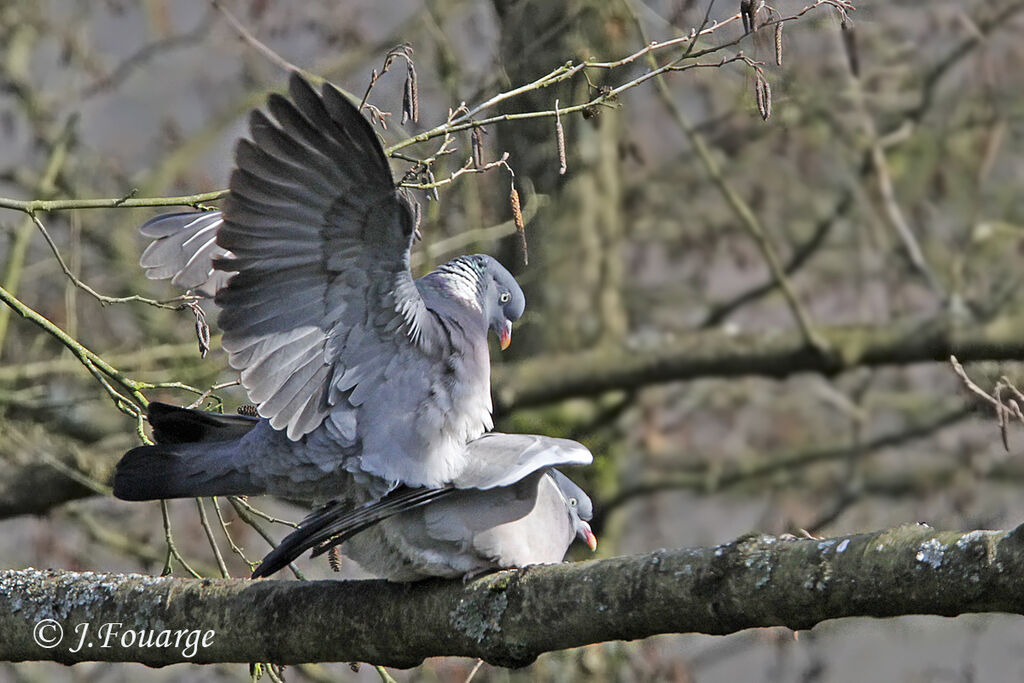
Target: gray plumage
[
  {"x": 510, "y": 508},
  {"x": 532, "y": 521},
  {"x": 183, "y": 250},
  {"x": 361, "y": 371},
  {"x": 459, "y": 531}
]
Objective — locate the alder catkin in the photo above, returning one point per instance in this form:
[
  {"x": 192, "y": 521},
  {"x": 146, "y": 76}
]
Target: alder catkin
[
  {"x": 517, "y": 217},
  {"x": 560, "y": 136},
  {"x": 478, "y": 147},
  {"x": 759, "y": 95},
  {"x": 410, "y": 95},
  {"x": 778, "y": 43}
]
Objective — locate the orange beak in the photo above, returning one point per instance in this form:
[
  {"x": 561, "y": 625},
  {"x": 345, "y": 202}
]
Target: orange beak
[
  {"x": 588, "y": 536},
  {"x": 505, "y": 336}
]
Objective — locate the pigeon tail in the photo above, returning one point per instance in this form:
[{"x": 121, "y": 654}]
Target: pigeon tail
[
  {"x": 172, "y": 424},
  {"x": 181, "y": 471},
  {"x": 197, "y": 454}
]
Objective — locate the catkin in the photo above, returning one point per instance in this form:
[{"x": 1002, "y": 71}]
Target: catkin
[
  {"x": 560, "y": 137},
  {"x": 517, "y": 217},
  {"x": 478, "y": 148},
  {"x": 778, "y": 43},
  {"x": 410, "y": 95},
  {"x": 763, "y": 94}
]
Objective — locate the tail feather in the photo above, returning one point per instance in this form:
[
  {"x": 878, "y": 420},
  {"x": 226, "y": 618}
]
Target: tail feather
[
  {"x": 172, "y": 424},
  {"x": 197, "y": 454}
]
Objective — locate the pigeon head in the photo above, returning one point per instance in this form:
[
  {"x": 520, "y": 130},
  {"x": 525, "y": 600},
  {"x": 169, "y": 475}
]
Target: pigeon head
[
  {"x": 581, "y": 509},
  {"x": 489, "y": 287},
  {"x": 502, "y": 300}
]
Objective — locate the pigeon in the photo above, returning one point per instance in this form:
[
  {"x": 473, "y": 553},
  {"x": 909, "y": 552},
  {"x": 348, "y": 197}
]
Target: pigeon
[
  {"x": 361, "y": 373},
  {"x": 509, "y": 507},
  {"x": 420, "y": 533}
]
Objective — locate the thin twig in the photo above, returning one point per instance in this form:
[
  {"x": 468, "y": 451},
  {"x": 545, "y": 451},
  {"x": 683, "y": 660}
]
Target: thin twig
[
  {"x": 570, "y": 70},
  {"x": 255, "y": 42},
  {"x": 1003, "y": 408},
  {"x": 205, "y": 522},
  {"x": 104, "y": 300},
  {"x": 748, "y": 219},
  {"x": 92, "y": 362},
  {"x": 227, "y": 534},
  {"x": 209, "y": 392},
  {"x": 468, "y": 167},
  {"x": 891, "y": 211},
  {"x": 172, "y": 549},
  {"x": 472, "y": 673},
  {"x": 145, "y": 54},
  {"x": 245, "y": 513},
  {"x": 385, "y": 677},
  {"x": 259, "y": 513}
]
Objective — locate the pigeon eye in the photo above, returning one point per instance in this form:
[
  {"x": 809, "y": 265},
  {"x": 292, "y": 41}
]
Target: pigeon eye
[
  {"x": 572, "y": 502},
  {"x": 505, "y": 297}
]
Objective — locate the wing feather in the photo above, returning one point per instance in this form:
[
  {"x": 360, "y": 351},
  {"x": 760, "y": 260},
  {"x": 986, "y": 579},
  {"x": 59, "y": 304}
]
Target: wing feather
[
  {"x": 183, "y": 250},
  {"x": 320, "y": 241}
]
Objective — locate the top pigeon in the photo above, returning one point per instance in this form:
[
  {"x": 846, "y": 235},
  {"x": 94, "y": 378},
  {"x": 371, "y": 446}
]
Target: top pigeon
[{"x": 334, "y": 339}]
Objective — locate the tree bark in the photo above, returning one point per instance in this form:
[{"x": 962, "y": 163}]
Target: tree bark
[{"x": 511, "y": 617}]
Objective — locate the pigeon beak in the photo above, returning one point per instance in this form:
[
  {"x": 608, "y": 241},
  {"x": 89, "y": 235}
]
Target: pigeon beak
[
  {"x": 586, "y": 534},
  {"x": 505, "y": 335}
]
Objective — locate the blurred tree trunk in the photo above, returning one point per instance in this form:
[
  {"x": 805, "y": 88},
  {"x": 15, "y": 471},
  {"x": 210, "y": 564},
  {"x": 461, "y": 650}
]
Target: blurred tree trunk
[{"x": 573, "y": 283}]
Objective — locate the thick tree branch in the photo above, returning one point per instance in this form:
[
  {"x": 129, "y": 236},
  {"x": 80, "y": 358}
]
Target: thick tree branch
[
  {"x": 777, "y": 354},
  {"x": 511, "y": 617}
]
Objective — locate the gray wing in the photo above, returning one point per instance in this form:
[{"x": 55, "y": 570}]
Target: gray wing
[
  {"x": 183, "y": 249},
  {"x": 497, "y": 459},
  {"x": 323, "y": 299},
  {"x": 526, "y": 523}
]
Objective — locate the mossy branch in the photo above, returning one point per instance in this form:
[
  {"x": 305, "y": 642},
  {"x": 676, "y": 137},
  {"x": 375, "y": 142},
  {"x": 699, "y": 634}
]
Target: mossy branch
[
  {"x": 783, "y": 353},
  {"x": 511, "y": 617}
]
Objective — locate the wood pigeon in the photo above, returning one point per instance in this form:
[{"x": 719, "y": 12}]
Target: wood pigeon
[{"x": 360, "y": 371}]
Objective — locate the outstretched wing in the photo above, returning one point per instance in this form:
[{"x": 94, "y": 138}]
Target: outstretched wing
[
  {"x": 497, "y": 459},
  {"x": 334, "y": 524},
  {"x": 183, "y": 249},
  {"x": 323, "y": 298}
]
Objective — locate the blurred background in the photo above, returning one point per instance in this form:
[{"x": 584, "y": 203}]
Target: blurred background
[{"x": 885, "y": 188}]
